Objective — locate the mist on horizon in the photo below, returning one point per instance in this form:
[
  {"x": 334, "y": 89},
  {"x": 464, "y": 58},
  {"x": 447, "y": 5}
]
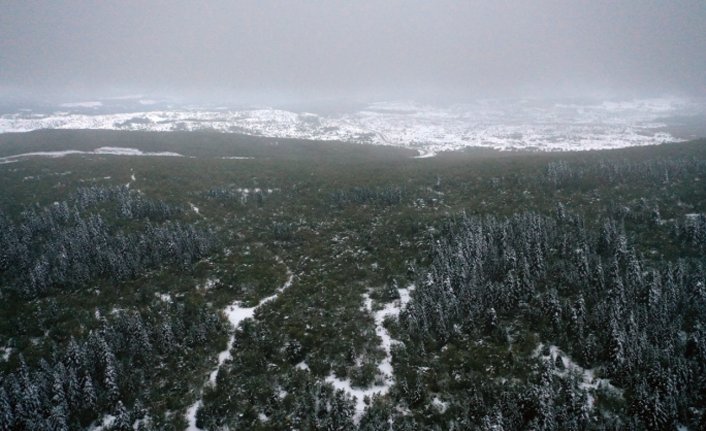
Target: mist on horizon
[{"x": 297, "y": 52}]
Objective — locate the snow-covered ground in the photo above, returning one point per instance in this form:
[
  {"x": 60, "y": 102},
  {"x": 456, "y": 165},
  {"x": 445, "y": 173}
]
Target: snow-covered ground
[
  {"x": 498, "y": 124},
  {"x": 385, "y": 371},
  {"x": 235, "y": 313},
  {"x": 105, "y": 423},
  {"x": 102, "y": 151},
  {"x": 5, "y": 353},
  {"x": 590, "y": 383}
]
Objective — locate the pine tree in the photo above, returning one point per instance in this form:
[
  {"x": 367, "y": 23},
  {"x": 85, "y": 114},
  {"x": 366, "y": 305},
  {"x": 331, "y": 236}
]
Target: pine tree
[
  {"x": 122, "y": 422},
  {"x": 59, "y": 400},
  {"x": 29, "y": 406},
  {"x": 110, "y": 380},
  {"x": 58, "y": 418},
  {"x": 7, "y": 418},
  {"x": 88, "y": 394}
]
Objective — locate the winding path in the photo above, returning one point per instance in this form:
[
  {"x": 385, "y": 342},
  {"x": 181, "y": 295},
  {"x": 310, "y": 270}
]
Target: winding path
[{"x": 235, "y": 314}]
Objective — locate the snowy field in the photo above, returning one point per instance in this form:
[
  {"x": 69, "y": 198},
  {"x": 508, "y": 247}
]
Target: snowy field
[{"x": 503, "y": 125}]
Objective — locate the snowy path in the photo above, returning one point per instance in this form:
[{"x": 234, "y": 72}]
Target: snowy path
[
  {"x": 385, "y": 366},
  {"x": 235, "y": 314}
]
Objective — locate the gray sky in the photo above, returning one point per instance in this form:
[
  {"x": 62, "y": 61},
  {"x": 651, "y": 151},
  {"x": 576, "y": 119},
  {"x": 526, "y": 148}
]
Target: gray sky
[{"x": 268, "y": 51}]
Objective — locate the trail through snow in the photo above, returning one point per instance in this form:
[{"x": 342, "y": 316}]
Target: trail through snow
[
  {"x": 385, "y": 370},
  {"x": 235, "y": 314}
]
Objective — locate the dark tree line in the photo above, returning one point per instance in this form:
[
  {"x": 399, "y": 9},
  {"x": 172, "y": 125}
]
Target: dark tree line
[
  {"x": 237, "y": 194},
  {"x": 65, "y": 245},
  {"x": 657, "y": 172},
  {"x": 113, "y": 370},
  {"x": 692, "y": 231},
  {"x": 127, "y": 203},
  {"x": 384, "y": 196}
]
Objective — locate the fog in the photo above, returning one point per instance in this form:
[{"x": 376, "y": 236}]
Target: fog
[{"x": 276, "y": 52}]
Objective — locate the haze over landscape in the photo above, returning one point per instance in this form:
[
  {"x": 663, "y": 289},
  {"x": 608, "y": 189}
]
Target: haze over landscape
[{"x": 275, "y": 53}]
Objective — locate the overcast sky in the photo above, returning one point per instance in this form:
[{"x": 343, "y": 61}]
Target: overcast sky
[{"x": 279, "y": 51}]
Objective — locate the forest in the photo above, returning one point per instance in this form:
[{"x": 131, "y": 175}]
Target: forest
[{"x": 473, "y": 290}]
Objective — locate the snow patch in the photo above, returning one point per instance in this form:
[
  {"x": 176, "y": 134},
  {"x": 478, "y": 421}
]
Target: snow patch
[
  {"x": 91, "y": 104},
  {"x": 124, "y": 151},
  {"x": 164, "y": 297},
  {"x": 5, "y": 353},
  {"x": 210, "y": 283},
  {"x": 440, "y": 405},
  {"x": 103, "y": 151},
  {"x": 425, "y": 154},
  {"x": 103, "y": 424},
  {"x": 191, "y": 416},
  {"x": 590, "y": 383},
  {"x": 358, "y": 394}
]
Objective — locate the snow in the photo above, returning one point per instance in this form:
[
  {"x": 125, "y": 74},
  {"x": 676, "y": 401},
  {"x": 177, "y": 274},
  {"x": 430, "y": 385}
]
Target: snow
[
  {"x": 440, "y": 405},
  {"x": 358, "y": 394},
  {"x": 385, "y": 369},
  {"x": 104, "y": 423},
  {"x": 590, "y": 383},
  {"x": 103, "y": 151},
  {"x": 123, "y": 151},
  {"x": 91, "y": 104},
  {"x": 210, "y": 283},
  {"x": 50, "y": 154},
  {"x": 191, "y": 416},
  {"x": 164, "y": 297},
  {"x": 425, "y": 154},
  {"x": 237, "y": 158},
  {"x": 5, "y": 353},
  {"x": 497, "y": 124},
  {"x": 302, "y": 366},
  {"x": 194, "y": 208},
  {"x": 235, "y": 313}
]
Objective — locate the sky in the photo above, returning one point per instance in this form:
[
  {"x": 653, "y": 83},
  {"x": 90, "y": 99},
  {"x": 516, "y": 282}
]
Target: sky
[{"x": 268, "y": 51}]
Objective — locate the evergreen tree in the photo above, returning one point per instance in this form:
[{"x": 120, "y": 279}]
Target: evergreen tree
[
  {"x": 122, "y": 422},
  {"x": 7, "y": 418}
]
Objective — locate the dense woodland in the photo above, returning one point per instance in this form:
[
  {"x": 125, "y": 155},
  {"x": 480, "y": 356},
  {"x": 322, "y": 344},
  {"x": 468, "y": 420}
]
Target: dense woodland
[{"x": 545, "y": 291}]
